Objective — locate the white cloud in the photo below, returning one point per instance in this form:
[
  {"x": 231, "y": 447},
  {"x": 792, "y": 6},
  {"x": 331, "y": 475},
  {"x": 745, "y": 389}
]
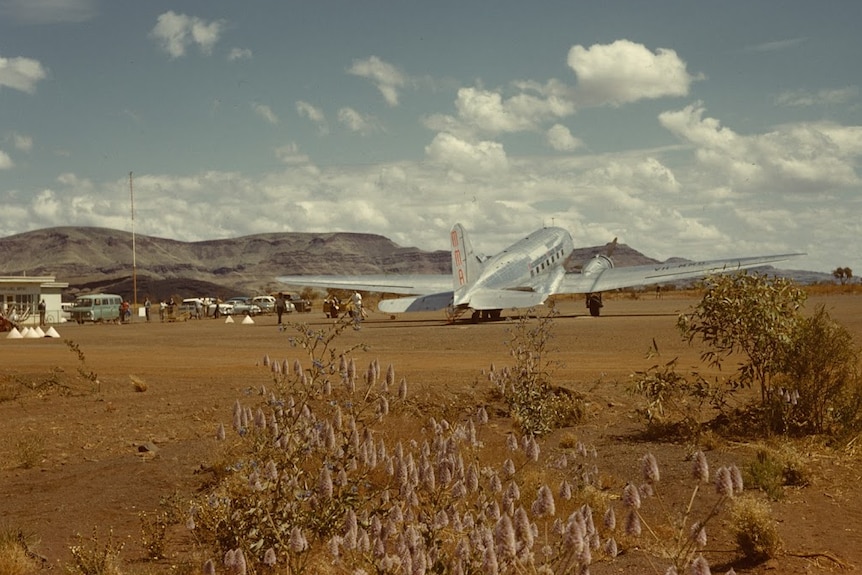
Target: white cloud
[
  {"x": 265, "y": 112},
  {"x": 311, "y": 112},
  {"x": 468, "y": 158},
  {"x": 6, "y": 162},
  {"x": 386, "y": 76},
  {"x": 561, "y": 139},
  {"x": 290, "y": 154},
  {"x": 46, "y": 206},
  {"x": 776, "y": 45},
  {"x": 356, "y": 122},
  {"x": 176, "y": 32},
  {"x": 793, "y": 158},
  {"x": 21, "y": 73},
  {"x": 489, "y": 112},
  {"x": 818, "y": 98},
  {"x": 625, "y": 71},
  {"x": 237, "y": 54},
  {"x": 48, "y": 11},
  {"x": 22, "y": 142}
]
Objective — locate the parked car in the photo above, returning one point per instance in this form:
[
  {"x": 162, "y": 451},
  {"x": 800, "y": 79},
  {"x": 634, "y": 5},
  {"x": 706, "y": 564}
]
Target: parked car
[
  {"x": 265, "y": 302},
  {"x": 224, "y": 308},
  {"x": 299, "y": 304},
  {"x": 243, "y": 306}
]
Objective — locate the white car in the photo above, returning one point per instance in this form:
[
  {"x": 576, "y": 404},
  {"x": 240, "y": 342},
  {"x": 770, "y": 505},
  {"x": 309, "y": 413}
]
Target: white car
[{"x": 266, "y": 303}]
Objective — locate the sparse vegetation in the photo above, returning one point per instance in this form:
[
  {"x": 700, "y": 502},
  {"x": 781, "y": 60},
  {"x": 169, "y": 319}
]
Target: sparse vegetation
[
  {"x": 16, "y": 558},
  {"x": 772, "y": 469},
  {"x": 309, "y": 477},
  {"x": 678, "y": 536},
  {"x": 754, "y": 529},
  {"x": 677, "y": 405},
  {"x": 535, "y": 404},
  {"x": 90, "y": 556},
  {"x": 820, "y": 389},
  {"x": 31, "y": 450},
  {"x": 402, "y": 472},
  {"x": 84, "y": 372}
]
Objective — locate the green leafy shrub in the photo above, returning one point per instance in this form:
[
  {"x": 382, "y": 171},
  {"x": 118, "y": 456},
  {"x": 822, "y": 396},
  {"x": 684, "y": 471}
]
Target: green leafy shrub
[
  {"x": 748, "y": 314},
  {"x": 773, "y": 469},
  {"x": 677, "y": 404},
  {"x": 819, "y": 377}
]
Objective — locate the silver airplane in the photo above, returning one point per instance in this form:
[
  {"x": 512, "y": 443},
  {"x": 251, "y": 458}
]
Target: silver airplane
[{"x": 523, "y": 275}]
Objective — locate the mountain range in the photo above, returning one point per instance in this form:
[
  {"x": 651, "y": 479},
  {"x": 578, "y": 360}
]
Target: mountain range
[{"x": 99, "y": 259}]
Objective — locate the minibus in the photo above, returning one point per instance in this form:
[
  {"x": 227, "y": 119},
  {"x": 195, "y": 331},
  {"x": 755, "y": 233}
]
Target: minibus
[{"x": 97, "y": 307}]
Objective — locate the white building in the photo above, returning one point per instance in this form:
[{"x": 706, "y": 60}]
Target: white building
[{"x": 20, "y": 295}]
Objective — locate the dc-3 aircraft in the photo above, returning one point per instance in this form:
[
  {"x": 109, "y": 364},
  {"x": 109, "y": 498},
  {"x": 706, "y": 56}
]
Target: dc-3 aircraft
[{"x": 523, "y": 275}]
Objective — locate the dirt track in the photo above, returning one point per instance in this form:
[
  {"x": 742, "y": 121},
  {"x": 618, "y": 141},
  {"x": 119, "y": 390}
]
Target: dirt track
[{"x": 92, "y": 472}]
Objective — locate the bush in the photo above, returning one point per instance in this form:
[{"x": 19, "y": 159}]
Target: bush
[
  {"x": 15, "y": 555},
  {"x": 819, "y": 377},
  {"x": 536, "y": 406},
  {"x": 749, "y": 314},
  {"x": 754, "y": 529},
  {"x": 773, "y": 469},
  {"x": 676, "y": 403}
]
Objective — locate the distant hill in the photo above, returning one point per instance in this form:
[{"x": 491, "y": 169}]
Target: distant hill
[{"x": 100, "y": 259}]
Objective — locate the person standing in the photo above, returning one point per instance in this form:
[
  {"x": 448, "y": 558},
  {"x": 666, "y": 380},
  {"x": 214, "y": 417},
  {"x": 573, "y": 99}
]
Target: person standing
[
  {"x": 147, "y": 309},
  {"x": 356, "y": 311},
  {"x": 280, "y": 306},
  {"x": 42, "y": 312},
  {"x": 162, "y": 307}
]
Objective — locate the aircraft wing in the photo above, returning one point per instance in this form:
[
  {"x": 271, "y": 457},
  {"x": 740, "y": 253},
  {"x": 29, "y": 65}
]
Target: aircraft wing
[
  {"x": 408, "y": 284},
  {"x": 615, "y": 278}
]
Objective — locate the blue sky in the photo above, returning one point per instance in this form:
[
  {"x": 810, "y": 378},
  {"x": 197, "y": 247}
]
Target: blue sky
[{"x": 685, "y": 128}]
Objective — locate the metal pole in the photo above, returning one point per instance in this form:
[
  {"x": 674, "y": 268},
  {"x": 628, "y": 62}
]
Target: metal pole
[{"x": 134, "y": 256}]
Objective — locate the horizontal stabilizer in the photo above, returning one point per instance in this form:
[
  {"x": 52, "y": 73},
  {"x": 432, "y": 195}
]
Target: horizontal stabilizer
[
  {"x": 385, "y": 283},
  {"x": 430, "y": 302}
]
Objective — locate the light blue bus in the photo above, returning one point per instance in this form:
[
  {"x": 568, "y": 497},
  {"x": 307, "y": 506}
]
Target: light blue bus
[{"x": 96, "y": 307}]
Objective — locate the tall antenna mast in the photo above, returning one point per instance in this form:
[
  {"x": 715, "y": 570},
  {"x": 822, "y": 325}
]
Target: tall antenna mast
[{"x": 134, "y": 256}]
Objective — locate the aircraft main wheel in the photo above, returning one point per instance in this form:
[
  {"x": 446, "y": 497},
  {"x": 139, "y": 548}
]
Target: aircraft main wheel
[{"x": 595, "y": 305}]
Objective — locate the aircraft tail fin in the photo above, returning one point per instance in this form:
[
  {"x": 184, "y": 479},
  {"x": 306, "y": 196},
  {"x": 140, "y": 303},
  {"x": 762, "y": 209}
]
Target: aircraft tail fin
[{"x": 466, "y": 265}]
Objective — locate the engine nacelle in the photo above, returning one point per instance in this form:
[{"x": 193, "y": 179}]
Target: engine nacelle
[{"x": 597, "y": 264}]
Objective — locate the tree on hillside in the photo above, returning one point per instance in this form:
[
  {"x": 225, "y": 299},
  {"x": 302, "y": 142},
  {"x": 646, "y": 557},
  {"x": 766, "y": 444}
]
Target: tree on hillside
[
  {"x": 753, "y": 315},
  {"x": 843, "y": 275}
]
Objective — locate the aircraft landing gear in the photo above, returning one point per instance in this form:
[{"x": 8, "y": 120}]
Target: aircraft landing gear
[
  {"x": 594, "y": 303},
  {"x": 486, "y": 315}
]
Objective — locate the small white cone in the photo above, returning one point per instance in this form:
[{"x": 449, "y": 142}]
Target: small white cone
[
  {"x": 247, "y": 320},
  {"x": 229, "y": 319},
  {"x": 32, "y": 334},
  {"x": 14, "y": 334},
  {"x": 38, "y": 330},
  {"x": 52, "y": 332},
  {"x": 24, "y": 331}
]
